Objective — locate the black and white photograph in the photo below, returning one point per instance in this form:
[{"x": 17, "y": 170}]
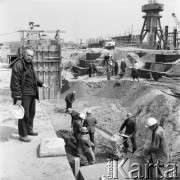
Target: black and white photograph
[{"x": 89, "y": 89}]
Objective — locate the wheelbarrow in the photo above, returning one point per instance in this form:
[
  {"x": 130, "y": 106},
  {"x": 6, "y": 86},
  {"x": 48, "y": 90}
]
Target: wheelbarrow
[{"x": 117, "y": 147}]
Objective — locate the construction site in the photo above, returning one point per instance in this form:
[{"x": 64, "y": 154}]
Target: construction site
[{"x": 65, "y": 68}]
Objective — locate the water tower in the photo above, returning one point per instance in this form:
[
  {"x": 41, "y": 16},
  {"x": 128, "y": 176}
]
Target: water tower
[{"x": 152, "y": 24}]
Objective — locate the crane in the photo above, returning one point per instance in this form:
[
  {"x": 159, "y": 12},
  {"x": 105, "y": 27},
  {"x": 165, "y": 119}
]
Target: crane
[{"x": 176, "y": 21}]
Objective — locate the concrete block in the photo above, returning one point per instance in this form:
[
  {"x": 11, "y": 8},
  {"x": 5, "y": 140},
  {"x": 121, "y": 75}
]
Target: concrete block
[{"x": 50, "y": 147}]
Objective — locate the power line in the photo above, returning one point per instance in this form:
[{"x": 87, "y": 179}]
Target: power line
[{"x": 8, "y": 33}]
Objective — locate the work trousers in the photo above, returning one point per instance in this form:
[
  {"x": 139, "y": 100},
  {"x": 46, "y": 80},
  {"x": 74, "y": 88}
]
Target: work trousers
[
  {"x": 91, "y": 135},
  {"x": 116, "y": 70},
  {"x": 108, "y": 75},
  {"x": 90, "y": 72},
  {"x": 68, "y": 105},
  {"x": 25, "y": 125},
  {"x": 153, "y": 175},
  {"x": 90, "y": 156},
  {"x": 133, "y": 141}
]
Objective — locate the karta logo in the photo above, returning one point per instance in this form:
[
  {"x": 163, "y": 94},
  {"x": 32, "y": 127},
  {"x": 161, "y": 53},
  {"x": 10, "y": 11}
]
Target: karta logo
[{"x": 125, "y": 169}]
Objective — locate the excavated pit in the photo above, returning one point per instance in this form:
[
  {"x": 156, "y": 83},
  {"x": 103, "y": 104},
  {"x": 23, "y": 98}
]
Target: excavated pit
[{"x": 110, "y": 101}]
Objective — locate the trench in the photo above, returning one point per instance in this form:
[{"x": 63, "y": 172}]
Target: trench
[
  {"x": 110, "y": 101},
  {"x": 102, "y": 152}
]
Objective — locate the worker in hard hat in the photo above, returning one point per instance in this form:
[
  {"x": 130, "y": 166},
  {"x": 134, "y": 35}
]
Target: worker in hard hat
[
  {"x": 74, "y": 115},
  {"x": 123, "y": 67},
  {"x": 135, "y": 71},
  {"x": 108, "y": 70},
  {"x": 76, "y": 128},
  {"x": 90, "y": 70},
  {"x": 94, "y": 65},
  {"x": 131, "y": 129},
  {"x": 158, "y": 149},
  {"x": 70, "y": 98},
  {"x": 106, "y": 59},
  {"x": 116, "y": 67},
  {"x": 90, "y": 122},
  {"x": 86, "y": 145}
]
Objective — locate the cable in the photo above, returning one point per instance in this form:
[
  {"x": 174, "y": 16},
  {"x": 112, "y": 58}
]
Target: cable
[{"x": 8, "y": 33}]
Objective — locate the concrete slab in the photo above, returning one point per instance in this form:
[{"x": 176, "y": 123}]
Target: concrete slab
[
  {"x": 19, "y": 160},
  {"x": 51, "y": 147},
  {"x": 93, "y": 172}
]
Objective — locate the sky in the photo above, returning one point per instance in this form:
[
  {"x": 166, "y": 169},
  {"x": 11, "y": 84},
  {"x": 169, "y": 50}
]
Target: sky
[{"x": 80, "y": 19}]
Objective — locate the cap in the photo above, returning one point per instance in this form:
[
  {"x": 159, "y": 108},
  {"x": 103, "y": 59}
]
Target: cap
[
  {"x": 84, "y": 130},
  {"x": 74, "y": 92},
  {"x": 82, "y": 116},
  {"x": 150, "y": 122},
  {"x": 18, "y": 111},
  {"x": 88, "y": 112}
]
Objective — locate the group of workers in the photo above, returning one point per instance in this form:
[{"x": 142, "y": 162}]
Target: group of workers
[
  {"x": 157, "y": 152},
  {"x": 113, "y": 68},
  {"x": 84, "y": 129}
]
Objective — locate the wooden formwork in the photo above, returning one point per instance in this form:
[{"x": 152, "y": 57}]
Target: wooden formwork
[{"x": 47, "y": 64}]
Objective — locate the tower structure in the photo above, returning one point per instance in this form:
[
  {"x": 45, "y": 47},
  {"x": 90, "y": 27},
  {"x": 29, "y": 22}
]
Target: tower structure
[{"x": 152, "y": 25}]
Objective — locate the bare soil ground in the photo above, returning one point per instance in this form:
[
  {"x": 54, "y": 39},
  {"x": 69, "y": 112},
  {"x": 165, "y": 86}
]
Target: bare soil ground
[{"x": 111, "y": 100}]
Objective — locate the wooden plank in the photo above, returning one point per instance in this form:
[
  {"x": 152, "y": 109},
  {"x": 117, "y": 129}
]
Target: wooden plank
[
  {"x": 152, "y": 71},
  {"x": 40, "y": 89},
  {"x": 45, "y": 50},
  {"x": 43, "y": 74},
  {"x": 52, "y": 48},
  {"x": 48, "y": 70},
  {"x": 52, "y": 58},
  {"x": 49, "y": 79},
  {"x": 60, "y": 69},
  {"x": 56, "y": 61}
]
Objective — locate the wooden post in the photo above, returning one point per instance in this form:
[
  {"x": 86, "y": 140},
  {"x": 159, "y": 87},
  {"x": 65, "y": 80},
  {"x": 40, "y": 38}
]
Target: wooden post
[
  {"x": 60, "y": 68},
  {"x": 76, "y": 167}
]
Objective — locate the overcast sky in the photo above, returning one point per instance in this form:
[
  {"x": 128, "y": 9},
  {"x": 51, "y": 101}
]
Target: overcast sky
[{"x": 81, "y": 19}]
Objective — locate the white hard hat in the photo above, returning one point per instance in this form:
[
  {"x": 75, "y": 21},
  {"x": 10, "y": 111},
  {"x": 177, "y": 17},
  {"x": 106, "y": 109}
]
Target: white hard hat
[
  {"x": 129, "y": 114},
  {"x": 82, "y": 116},
  {"x": 18, "y": 111},
  {"x": 150, "y": 121}
]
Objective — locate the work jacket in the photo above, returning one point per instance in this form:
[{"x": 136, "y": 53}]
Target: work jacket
[
  {"x": 70, "y": 98},
  {"x": 85, "y": 143},
  {"x": 77, "y": 127},
  {"x": 90, "y": 122},
  {"x": 158, "y": 149},
  {"x": 18, "y": 77},
  {"x": 123, "y": 65},
  {"x": 130, "y": 125},
  {"x": 74, "y": 116}
]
